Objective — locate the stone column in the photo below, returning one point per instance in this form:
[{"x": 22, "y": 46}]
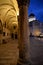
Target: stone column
[{"x": 23, "y": 33}]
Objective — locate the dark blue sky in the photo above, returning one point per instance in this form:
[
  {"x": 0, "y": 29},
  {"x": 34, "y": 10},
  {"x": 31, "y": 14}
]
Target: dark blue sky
[{"x": 36, "y": 7}]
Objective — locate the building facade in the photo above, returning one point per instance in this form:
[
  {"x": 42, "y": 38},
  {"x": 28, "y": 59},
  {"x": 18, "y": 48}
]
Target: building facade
[{"x": 36, "y": 27}]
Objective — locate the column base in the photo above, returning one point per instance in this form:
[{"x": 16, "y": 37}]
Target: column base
[{"x": 23, "y": 62}]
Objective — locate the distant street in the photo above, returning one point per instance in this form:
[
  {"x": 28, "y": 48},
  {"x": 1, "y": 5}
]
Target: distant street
[{"x": 36, "y": 51}]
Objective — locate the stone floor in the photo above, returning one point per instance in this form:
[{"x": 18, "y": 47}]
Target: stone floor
[
  {"x": 9, "y": 52},
  {"x": 36, "y": 51}
]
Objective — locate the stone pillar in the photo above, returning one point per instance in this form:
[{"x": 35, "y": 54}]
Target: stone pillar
[{"x": 23, "y": 33}]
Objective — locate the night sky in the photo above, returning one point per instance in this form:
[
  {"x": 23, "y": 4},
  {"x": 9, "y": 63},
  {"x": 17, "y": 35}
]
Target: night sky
[{"x": 36, "y": 7}]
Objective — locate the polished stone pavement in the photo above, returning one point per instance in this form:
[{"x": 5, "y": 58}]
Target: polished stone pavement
[
  {"x": 9, "y": 52},
  {"x": 36, "y": 51}
]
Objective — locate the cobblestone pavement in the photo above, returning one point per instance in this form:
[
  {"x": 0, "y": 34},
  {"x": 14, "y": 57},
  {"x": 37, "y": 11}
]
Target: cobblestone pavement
[{"x": 9, "y": 52}]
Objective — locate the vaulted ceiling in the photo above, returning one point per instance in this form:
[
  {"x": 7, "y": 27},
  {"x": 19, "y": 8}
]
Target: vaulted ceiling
[{"x": 9, "y": 11}]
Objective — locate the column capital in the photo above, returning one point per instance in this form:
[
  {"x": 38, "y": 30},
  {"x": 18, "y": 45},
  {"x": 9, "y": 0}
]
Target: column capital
[{"x": 23, "y": 2}]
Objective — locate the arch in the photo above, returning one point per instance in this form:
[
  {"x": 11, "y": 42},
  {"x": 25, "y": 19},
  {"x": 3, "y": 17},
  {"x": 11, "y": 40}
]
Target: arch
[
  {"x": 13, "y": 8},
  {"x": 8, "y": 4},
  {"x": 10, "y": 19},
  {"x": 7, "y": 20},
  {"x": 8, "y": 11}
]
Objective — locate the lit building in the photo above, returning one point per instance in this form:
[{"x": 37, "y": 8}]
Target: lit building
[{"x": 34, "y": 25}]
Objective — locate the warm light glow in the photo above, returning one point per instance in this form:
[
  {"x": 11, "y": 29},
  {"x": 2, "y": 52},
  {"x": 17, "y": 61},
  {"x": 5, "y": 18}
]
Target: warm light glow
[
  {"x": 17, "y": 13},
  {"x": 36, "y": 32}
]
